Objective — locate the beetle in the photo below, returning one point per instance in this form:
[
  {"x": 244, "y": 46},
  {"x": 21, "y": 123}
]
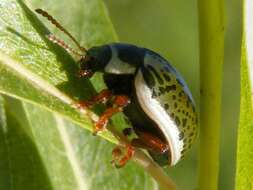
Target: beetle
[{"x": 147, "y": 89}]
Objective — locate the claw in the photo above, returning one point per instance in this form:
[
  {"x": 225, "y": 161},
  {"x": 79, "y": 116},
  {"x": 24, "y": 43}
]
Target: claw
[
  {"x": 100, "y": 125},
  {"x": 117, "y": 153},
  {"x": 82, "y": 105}
]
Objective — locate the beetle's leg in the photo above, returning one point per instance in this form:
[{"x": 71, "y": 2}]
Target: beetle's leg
[
  {"x": 117, "y": 153},
  {"x": 145, "y": 141},
  {"x": 119, "y": 102},
  {"x": 150, "y": 142},
  {"x": 102, "y": 97}
]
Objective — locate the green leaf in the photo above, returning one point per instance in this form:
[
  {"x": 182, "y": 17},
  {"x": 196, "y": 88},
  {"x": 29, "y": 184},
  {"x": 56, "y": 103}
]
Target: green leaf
[
  {"x": 40, "y": 150},
  {"x": 244, "y": 170},
  {"x": 41, "y": 72}
]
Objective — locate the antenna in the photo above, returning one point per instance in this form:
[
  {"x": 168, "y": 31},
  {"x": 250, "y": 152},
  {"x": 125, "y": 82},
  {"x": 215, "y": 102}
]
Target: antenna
[
  {"x": 56, "y": 40},
  {"x": 61, "y": 43}
]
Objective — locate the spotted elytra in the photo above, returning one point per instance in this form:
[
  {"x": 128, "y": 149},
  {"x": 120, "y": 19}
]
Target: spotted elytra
[{"x": 147, "y": 89}]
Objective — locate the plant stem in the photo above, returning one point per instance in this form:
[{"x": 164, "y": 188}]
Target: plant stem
[
  {"x": 211, "y": 31},
  {"x": 154, "y": 170}
]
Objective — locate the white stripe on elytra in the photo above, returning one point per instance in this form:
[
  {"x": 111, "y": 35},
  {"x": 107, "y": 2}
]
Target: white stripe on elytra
[
  {"x": 117, "y": 66},
  {"x": 157, "y": 113}
]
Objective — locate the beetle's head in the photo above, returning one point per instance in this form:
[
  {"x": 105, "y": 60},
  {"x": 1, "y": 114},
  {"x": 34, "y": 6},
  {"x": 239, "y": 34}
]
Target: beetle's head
[{"x": 95, "y": 60}]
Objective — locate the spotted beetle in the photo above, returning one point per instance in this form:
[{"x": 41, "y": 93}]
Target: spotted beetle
[{"x": 147, "y": 89}]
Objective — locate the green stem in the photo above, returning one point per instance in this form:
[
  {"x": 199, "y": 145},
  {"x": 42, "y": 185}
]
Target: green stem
[
  {"x": 154, "y": 170},
  {"x": 211, "y": 31}
]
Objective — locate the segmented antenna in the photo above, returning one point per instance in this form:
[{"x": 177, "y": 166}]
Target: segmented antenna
[
  {"x": 58, "y": 25},
  {"x": 61, "y": 43}
]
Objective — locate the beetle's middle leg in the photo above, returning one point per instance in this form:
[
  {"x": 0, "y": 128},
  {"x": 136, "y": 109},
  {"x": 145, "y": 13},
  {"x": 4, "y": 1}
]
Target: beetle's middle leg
[
  {"x": 102, "y": 97},
  {"x": 118, "y": 103}
]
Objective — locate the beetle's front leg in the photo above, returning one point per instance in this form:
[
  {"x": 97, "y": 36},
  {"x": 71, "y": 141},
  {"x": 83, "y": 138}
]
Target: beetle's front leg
[
  {"x": 119, "y": 102},
  {"x": 102, "y": 97}
]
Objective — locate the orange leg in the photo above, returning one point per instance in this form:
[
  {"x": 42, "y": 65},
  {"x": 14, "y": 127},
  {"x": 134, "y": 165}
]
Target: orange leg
[
  {"x": 119, "y": 102},
  {"x": 101, "y": 97},
  {"x": 145, "y": 141},
  {"x": 104, "y": 118},
  {"x": 150, "y": 142},
  {"x": 116, "y": 153}
]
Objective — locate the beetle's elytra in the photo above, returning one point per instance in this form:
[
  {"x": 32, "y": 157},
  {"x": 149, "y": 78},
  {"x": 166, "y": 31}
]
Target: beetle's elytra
[{"x": 147, "y": 89}]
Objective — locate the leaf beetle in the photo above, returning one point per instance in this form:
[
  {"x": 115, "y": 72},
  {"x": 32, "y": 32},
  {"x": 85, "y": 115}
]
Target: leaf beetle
[{"x": 147, "y": 89}]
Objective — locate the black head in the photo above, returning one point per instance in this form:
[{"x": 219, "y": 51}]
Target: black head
[
  {"x": 91, "y": 61},
  {"x": 95, "y": 60}
]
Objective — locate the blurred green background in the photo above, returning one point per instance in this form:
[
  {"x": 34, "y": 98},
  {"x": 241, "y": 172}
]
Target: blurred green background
[{"x": 171, "y": 28}]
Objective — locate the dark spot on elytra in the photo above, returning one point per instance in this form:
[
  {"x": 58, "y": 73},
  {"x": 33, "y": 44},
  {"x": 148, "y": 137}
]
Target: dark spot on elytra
[
  {"x": 166, "y": 106},
  {"x": 187, "y": 113},
  {"x": 174, "y": 97},
  {"x": 172, "y": 115},
  {"x": 152, "y": 69},
  {"x": 181, "y": 136},
  {"x": 180, "y": 94},
  {"x": 166, "y": 77},
  {"x": 148, "y": 77},
  {"x": 162, "y": 90},
  {"x": 191, "y": 134},
  {"x": 179, "y": 110},
  {"x": 169, "y": 88},
  {"x": 193, "y": 109},
  {"x": 175, "y": 105},
  {"x": 177, "y": 120},
  {"x": 189, "y": 101},
  {"x": 183, "y": 111},
  {"x": 184, "y": 122},
  {"x": 187, "y": 104}
]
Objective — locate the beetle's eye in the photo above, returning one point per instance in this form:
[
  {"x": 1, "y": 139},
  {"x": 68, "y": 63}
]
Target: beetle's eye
[{"x": 85, "y": 73}]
